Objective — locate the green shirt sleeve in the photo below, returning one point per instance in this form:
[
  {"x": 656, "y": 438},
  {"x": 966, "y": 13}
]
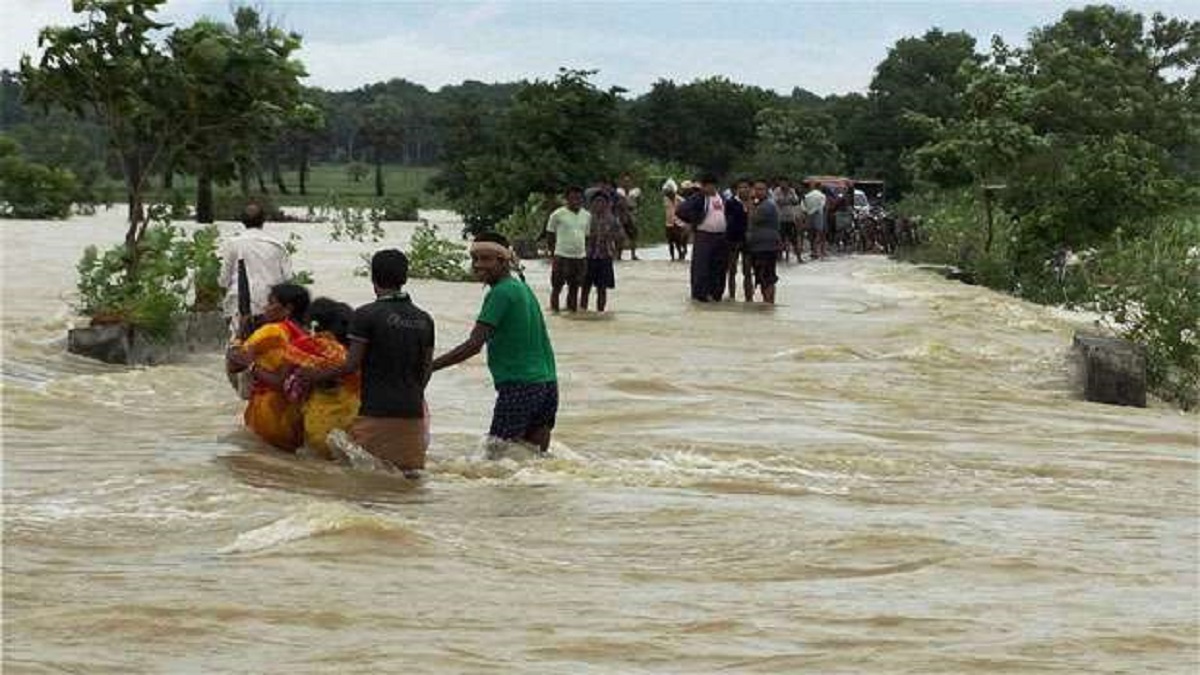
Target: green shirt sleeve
[{"x": 496, "y": 305}]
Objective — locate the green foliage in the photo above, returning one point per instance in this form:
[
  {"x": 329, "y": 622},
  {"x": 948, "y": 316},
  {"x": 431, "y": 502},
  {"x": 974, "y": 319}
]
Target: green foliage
[
  {"x": 794, "y": 142},
  {"x": 921, "y": 77},
  {"x": 953, "y": 231},
  {"x": 357, "y": 171},
  {"x": 176, "y": 273},
  {"x": 528, "y": 220},
  {"x": 431, "y": 257},
  {"x": 110, "y": 66},
  {"x": 31, "y": 190},
  {"x": 1148, "y": 288},
  {"x": 1144, "y": 280},
  {"x": 351, "y": 223},
  {"x": 399, "y": 208},
  {"x": 554, "y": 134},
  {"x": 241, "y": 87},
  {"x": 709, "y": 123}
]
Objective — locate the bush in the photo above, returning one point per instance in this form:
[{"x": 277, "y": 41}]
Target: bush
[
  {"x": 431, "y": 257},
  {"x": 953, "y": 231},
  {"x": 175, "y": 273},
  {"x": 1149, "y": 291},
  {"x": 29, "y": 190},
  {"x": 1147, "y": 287},
  {"x": 405, "y": 208},
  {"x": 526, "y": 225}
]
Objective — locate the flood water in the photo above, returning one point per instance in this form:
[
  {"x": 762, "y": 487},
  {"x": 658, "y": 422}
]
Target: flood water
[{"x": 887, "y": 473}]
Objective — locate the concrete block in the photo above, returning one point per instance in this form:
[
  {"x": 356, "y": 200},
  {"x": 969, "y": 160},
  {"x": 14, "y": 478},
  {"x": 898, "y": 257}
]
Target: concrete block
[
  {"x": 123, "y": 344},
  {"x": 1110, "y": 370}
]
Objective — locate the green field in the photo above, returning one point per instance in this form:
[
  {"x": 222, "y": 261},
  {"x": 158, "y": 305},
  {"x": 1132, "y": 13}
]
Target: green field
[{"x": 325, "y": 181}]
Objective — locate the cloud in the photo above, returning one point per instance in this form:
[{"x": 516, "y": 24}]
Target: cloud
[{"x": 21, "y": 22}]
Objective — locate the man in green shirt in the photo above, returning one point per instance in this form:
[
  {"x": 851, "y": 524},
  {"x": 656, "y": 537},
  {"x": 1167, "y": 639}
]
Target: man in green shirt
[{"x": 519, "y": 354}]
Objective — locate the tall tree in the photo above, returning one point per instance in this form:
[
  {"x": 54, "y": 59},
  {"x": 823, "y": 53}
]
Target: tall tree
[
  {"x": 792, "y": 141},
  {"x": 111, "y": 66},
  {"x": 555, "y": 133},
  {"x": 382, "y": 125},
  {"x": 920, "y": 76},
  {"x": 242, "y": 84}
]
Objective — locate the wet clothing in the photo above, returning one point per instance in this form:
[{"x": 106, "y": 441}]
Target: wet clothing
[
  {"x": 402, "y": 441},
  {"x": 764, "y": 265},
  {"x": 521, "y": 408},
  {"x": 570, "y": 230},
  {"x": 519, "y": 349},
  {"x": 600, "y": 273},
  {"x": 736, "y": 220},
  {"x": 267, "y": 264},
  {"x": 324, "y": 407},
  {"x": 814, "y": 207},
  {"x": 606, "y": 236},
  {"x": 763, "y": 235},
  {"x": 399, "y": 340},
  {"x": 568, "y": 271},
  {"x": 269, "y": 413},
  {"x": 710, "y": 261}
]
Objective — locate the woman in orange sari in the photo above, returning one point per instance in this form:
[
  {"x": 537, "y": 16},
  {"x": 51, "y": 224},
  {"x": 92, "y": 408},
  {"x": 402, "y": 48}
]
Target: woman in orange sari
[
  {"x": 269, "y": 413},
  {"x": 332, "y": 404}
]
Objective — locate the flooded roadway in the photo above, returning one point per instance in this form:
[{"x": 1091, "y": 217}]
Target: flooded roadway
[{"x": 886, "y": 473}]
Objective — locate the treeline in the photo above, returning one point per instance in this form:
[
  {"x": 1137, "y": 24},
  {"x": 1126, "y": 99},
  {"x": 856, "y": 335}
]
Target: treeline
[{"x": 709, "y": 124}]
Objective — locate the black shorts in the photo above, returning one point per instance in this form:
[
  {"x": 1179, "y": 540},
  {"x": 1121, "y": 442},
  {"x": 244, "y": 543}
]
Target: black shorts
[
  {"x": 600, "y": 273},
  {"x": 787, "y": 230},
  {"x": 521, "y": 408},
  {"x": 568, "y": 271},
  {"x": 763, "y": 264}
]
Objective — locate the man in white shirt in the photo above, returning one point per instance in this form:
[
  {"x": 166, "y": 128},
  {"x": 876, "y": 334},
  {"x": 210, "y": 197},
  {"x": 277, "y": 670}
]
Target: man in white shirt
[
  {"x": 567, "y": 231},
  {"x": 814, "y": 209},
  {"x": 267, "y": 263}
]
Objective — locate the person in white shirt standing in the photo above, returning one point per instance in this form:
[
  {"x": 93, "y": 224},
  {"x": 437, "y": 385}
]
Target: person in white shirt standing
[
  {"x": 567, "y": 231},
  {"x": 813, "y": 206},
  {"x": 267, "y": 263}
]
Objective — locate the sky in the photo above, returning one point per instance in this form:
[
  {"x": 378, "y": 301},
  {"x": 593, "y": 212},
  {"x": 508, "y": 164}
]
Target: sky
[{"x": 825, "y": 47}]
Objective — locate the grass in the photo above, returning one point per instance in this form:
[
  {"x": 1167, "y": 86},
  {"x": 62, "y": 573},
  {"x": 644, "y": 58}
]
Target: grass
[{"x": 325, "y": 180}]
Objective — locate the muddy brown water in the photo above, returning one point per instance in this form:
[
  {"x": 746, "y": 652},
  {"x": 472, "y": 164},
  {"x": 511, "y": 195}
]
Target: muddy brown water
[{"x": 886, "y": 473}]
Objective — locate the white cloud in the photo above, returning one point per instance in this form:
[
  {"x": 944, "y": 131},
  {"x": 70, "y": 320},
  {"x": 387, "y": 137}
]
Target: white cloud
[{"x": 20, "y": 23}]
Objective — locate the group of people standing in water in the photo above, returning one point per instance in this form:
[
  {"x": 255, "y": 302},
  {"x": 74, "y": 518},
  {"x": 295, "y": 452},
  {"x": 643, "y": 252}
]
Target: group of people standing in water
[{"x": 308, "y": 368}]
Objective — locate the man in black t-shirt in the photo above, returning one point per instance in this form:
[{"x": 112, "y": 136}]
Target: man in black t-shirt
[{"x": 391, "y": 339}]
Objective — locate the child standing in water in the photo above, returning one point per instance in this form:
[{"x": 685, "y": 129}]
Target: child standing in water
[
  {"x": 269, "y": 413},
  {"x": 332, "y": 404}
]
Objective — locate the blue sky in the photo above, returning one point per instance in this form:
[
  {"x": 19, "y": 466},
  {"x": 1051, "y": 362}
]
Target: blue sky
[{"x": 826, "y": 47}]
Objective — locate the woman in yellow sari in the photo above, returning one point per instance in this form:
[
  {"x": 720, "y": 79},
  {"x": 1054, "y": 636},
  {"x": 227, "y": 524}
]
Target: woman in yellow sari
[
  {"x": 269, "y": 413},
  {"x": 328, "y": 405}
]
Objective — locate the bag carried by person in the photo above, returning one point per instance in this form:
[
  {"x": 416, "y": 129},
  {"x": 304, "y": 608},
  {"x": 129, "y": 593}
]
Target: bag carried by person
[{"x": 692, "y": 210}]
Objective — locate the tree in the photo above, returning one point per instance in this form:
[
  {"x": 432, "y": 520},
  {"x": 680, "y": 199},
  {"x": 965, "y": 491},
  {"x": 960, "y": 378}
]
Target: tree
[
  {"x": 708, "y": 123},
  {"x": 792, "y": 141},
  {"x": 1077, "y": 165},
  {"x": 242, "y": 86},
  {"x": 920, "y": 76},
  {"x": 31, "y": 190},
  {"x": 382, "y": 129},
  {"x": 111, "y": 66},
  {"x": 554, "y": 134}
]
